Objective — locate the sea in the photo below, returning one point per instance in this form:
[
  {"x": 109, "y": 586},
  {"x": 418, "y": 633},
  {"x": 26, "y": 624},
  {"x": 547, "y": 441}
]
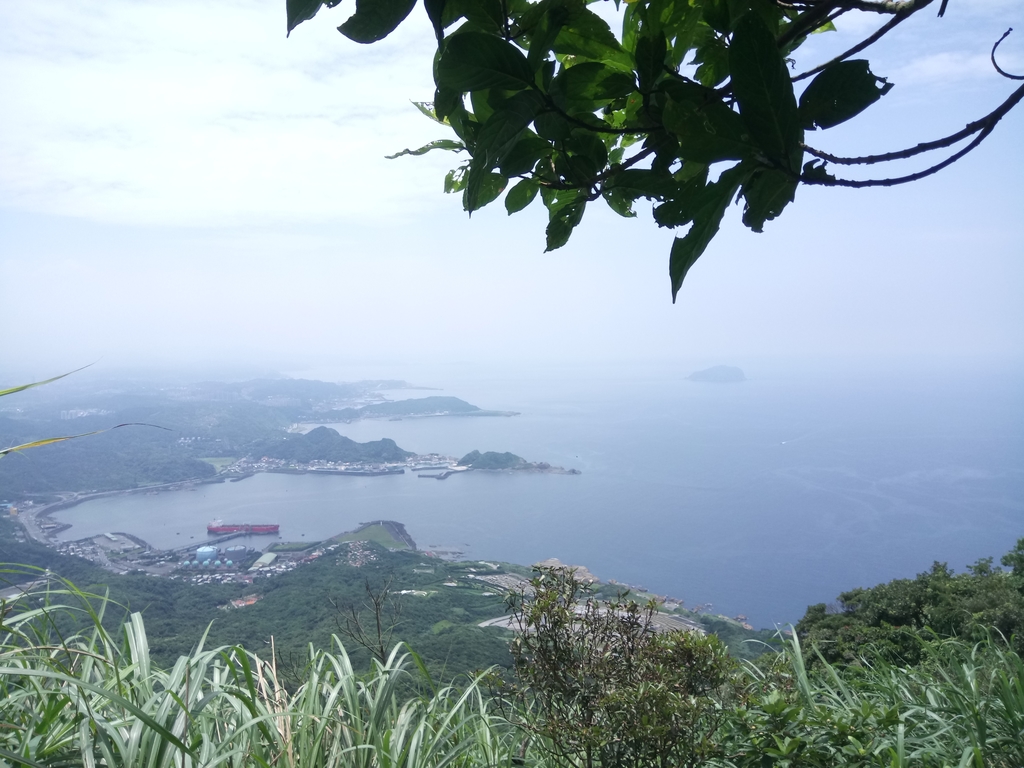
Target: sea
[{"x": 755, "y": 498}]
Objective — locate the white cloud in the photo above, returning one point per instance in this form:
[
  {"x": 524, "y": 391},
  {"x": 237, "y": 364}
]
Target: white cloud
[
  {"x": 188, "y": 113},
  {"x": 945, "y": 68}
]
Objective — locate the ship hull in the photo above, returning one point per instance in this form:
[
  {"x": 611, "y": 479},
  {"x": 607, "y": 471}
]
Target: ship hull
[{"x": 218, "y": 529}]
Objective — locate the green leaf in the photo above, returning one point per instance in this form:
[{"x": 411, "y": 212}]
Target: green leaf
[
  {"x": 588, "y": 36},
  {"x": 375, "y": 19},
  {"x": 490, "y": 186},
  {"x": 523, "y": 156},
  {"x": 52, "y": 440},
  {"x": 299, "y": 11},
  {"x": 712, "y": 60},
  {"x": 716, "y": 15},
  {"x": 565, "y": 210},
  {"x": 839, "y": 92},
  {"x": 542, "y": 23},
  {"x": 708, "y": 131},
  {"x": 449, "y": 144},
  {"x": 446, "y": 101},
  {"x": 644, "y": 183},
  {"x": 584, "y": 143},
  {"x": 552, "y": 126},
  {"x": 464, "y": 126},
  {"x": 682, "y": 206},
  {"x": 583, "y": 87},
  {"x": 816, "y": 169},
  {"x": 486, "y": 14},
  {"x": 473, "y": 61},
  {"x": 708, "y": 208},
  {"x": 561, "y": 225},
  {"x": 500, "y": 133},
  {"x": 23, "y": 387},
  {"x": 650, "y": 60},
  {"x": 455, "y": 179},
  {"x": 427, "y": 109},
  {"x": 482, "y": 110},
  {"x": 435, "y": 12},
  {"x": 682, "y": 34},
  {"x": 764, "y": 91},
  {"x": 520, "y": 196},
  {"x": 767, "y": 193},
  {"x": 497, "y": 136},
  {"x": 666, "y": 150},
  {"x": 620, "y": 200}
]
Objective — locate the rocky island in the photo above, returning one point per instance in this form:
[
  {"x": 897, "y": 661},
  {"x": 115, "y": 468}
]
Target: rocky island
[{"x": 492, "y": 460}]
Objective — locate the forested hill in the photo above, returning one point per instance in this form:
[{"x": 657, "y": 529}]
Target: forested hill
[
  {"x": 196, "y": 426},
  {"x": 326, "y": 444},
  {"x": 895, "y": 619},
  {"x": 493, "y": 460},
  {"x": 435, "y": 405}
]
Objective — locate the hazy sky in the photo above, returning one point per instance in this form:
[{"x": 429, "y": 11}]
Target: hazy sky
[{"x": 181, "y": 185}]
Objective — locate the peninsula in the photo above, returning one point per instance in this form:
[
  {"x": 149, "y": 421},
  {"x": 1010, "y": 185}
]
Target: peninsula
[{"x": 419, "y": 407}]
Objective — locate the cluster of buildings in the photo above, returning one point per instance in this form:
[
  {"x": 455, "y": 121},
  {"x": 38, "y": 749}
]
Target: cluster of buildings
[
  {"x": 429, "y": 461},
  {"x": 505, "y": 582},
  {"x": 210, "y": 557},
  {"x": 359, "y": 554}
]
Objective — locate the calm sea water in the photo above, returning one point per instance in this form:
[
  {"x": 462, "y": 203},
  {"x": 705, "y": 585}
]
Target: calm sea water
[{"x": 760, "y": 498}]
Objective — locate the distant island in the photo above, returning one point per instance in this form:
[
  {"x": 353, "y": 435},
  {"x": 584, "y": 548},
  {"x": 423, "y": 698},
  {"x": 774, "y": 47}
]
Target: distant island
[
  {"x": 509, "y": 461},
  {"x": 420, "y": 407},
  {"x": 719, "y": 374}
]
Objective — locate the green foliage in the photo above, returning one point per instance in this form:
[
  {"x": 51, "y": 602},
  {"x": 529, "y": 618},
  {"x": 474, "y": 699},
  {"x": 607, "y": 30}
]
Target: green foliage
[
  {"x": 893, "y": 620},
  {"x": 545, "y": 92},
  {"x": 842, "y": 91},
  {"x": 325, "y": 444},
  {"x": 378, "y": 534},
  {"x": 98, "y": 697},
  {"x": 299, "y": 607},
  {"x": 603, "y": 689},
  {"x": 964, "y": 706},
  {"x": 492, "y": 460}
]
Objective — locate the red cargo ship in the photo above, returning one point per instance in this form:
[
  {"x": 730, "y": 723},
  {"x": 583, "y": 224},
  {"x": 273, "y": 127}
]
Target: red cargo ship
[{"x": 217, "y": 527}]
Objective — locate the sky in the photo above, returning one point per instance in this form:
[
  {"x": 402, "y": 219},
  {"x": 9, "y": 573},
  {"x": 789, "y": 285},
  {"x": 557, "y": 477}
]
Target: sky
[{"x": 182, "y": 185}]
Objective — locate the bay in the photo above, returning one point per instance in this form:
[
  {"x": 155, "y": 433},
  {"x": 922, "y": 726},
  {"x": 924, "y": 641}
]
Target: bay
[{"x": 759, "y": 498}]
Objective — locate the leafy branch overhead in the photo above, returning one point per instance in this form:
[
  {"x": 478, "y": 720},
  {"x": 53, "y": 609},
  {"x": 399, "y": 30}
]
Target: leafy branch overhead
[{"x": 691, "y": 105}]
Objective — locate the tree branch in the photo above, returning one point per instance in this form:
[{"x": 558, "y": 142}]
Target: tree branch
[
  {"x": 862, "y": 183},
  {"x": 817, "y": 14},
  {"x": 993, "y": 57},
  {"x": 887, "y": 6},
  {"x": 985, "y": 124},
  {"x": 865, "y": 43}
]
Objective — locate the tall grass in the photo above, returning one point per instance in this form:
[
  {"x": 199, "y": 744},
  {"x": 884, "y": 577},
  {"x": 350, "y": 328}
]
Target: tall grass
[
  {"x": 87, "y": 698},
  {"x": 963, "y": 707},
  {"x": 84, "y": 699}
]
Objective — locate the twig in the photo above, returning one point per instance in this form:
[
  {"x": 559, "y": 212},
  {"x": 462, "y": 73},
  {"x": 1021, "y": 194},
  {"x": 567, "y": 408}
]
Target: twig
[
  {"x": 859, "y": 184},
  {"x": 865, "y": 43},
  {"x": 993, "y": 57}
]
